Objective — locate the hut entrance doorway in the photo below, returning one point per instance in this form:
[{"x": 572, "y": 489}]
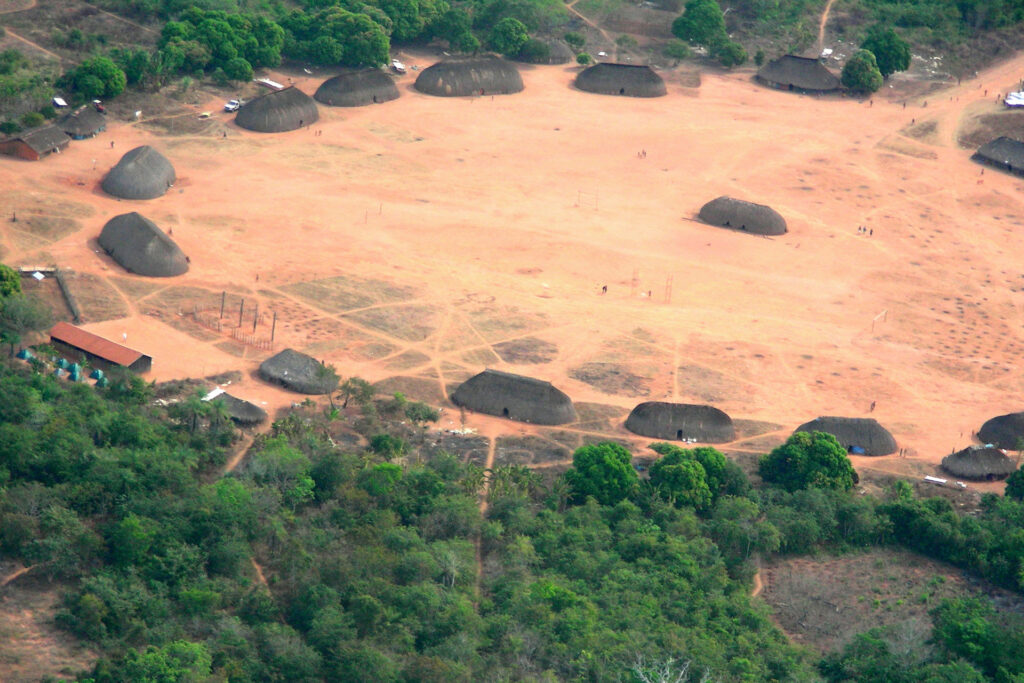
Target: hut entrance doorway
[
  {"x": 504, "y": 412},
  {"x": 679, "y": 434},
  {"x": 622, "y": 91}
]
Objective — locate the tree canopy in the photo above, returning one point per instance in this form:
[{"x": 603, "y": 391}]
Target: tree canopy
[
  {"x": 603, "y": 471},
  {"x": 892, "y": 53},
  {"x": 861, "y": 74},
  {"x": 809, "y": 460},
  {"x": 701, "y": 23}
]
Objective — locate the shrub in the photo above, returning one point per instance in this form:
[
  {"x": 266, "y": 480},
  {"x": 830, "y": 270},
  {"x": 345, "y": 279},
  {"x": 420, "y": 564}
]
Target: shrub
[
  {"x": 583, "y": 58},
  {"x": 32, "y": 119}
]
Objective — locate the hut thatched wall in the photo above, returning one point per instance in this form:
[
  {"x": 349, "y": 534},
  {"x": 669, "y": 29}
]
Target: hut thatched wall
[
  {"x": 803, "y": 74},
  {"x": 142, "y": 173},
  {"x": 516, "y": 397},
  {"x": 298, "y": 372},
  {"x": 357, "y": 89},
  {"x": 727, "y": 212},
  {"x": 462, "y": 76},
  {"x": 278, "y": 112},
  {"x": 1003, "y": 153},
  {"x": 628, "y": 80},
  {"x": 854, "y": 432},
  {"x": 242, "y": 412},
  {"x": 680, "y": 421},
  {"x": 139, "y": 246},
  {"x": 980, "y": 463},
  {"x": 1004, "y": 431}
]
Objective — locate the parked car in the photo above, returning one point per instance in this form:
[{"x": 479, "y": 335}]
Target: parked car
[{"x": 232, "y": 105}]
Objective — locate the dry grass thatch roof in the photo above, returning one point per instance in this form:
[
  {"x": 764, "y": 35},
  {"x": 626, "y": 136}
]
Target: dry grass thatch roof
[
  {"x": 516, "y": 397},
  {"x": 462, "y": 76},
  {"x": 278, "y": 112},
  {"x": 983, "y": 463},
  {"x": 628, "y": 80},
  {"x": 142, "y": 173},
  {"x": 44, "y": 139},
  {"x": 83, "y": 122},
  {"x": 242, "y": 412},
  {"x": 298, "y": 372},
  {"x": 805, "y": 74},
  {"x": 1003, "y": 153},
  {"x": 139, "y": 246},
  {"x": 854, "y": 432},
  {"x": 1004, "y": 431},
  {"x": 357, "y": 89},
  {"x": 727, "y": 212},
  {"x": 679, "y": 421}
]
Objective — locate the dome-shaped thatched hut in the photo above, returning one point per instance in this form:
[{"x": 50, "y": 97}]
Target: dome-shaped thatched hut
[
  {"x": 357, "y": 89},
  {"x": 462, "y": 76},
  {"x": 142, "y": 173},
  {"x": 1004, "y": 431},
  {"x": 242, "y": 412},
  {"x": 516, "y": 397},
  {"x": 278, "y": 112},
  {"x": 855, "y": 434},
  {"x": 981, "y": 463},
  {"x": 298, "y": 372},
  {"x": 557, "y": 52},
  {"x": 1003, "y": 153},
  {"x": 679, "y": 421},
  {"x": 628, "y": 80},
  {"x": 803, "y": 74},
  {"x": 139, "y": 246},
  {"x": 726, "y": 212}
]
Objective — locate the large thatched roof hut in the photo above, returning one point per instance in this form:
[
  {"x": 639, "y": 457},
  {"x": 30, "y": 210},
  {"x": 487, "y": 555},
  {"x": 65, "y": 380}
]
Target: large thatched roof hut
[
  {"x": 629, "y": 80},
  {"x": 357, "y": 89},
  {"x": 278, "y": 112},
  {"x": 142, "y": 173},
  {"x": 516, "y": 397},
  {"x": 1004, "y": 431},
  {"x": 680, "y": 421},
  {"x": 139, "y": 246},
  {"x": 298, "y": 372},
  {"x": 36, "y": 143},
  {"x": 462, "y": 76},
  {"x": 803, "y": 74},
  {"x": 242, "y": 412},
  {"x": 854, "y": 434},
  {"x": 981, "y": 463},
  {"x": 727, "y": 212},
  {"x": 84, "y": 122},
  {"x": 1003, "y": 153},
  {"x": 558, "y": 52}
]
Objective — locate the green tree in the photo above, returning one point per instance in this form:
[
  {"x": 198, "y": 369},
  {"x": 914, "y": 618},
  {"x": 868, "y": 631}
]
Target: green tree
[
  {"x": 678, "y": 477},
  {"x": 238, "y": 69},
  {"x": 814, "y": 460},
  {"x": 701, "y": 23},
  {"x": 98, "y": 77},
  {"x": 355, "y": 388},
  {"x": 1015, "y": 485},
  {"x": 891, "y": 52},
  {"x": 19, "y": 315},
  {"x": 603, "y": 471},
  {"x": 729, "y": 53},
  {"x": 860, "y": 73},
  {"x": 575, "y": 40},
  {"x": 676, "y": 49},
  {"x": 176, "y": 661},
  {"x": 508, "y": 36},
  {"x": 583, "y": 58},
  {"x": 10, "y": 281}
]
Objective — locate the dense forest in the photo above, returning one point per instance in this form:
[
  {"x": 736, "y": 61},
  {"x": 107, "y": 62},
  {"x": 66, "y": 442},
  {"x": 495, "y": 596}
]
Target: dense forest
[{"x": 318, "y": 561}]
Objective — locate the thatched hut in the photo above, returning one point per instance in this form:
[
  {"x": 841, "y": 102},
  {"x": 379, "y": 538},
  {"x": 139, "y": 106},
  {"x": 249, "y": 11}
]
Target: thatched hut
[
  {"x": 628, "y": 80},
  {"x": 859, "y": 435},
  {"x": 298, "y": 372},
  {"x": 84, "y": 122},
  {"x": 558, "y": 52},
  {"x": 36, "y": 143},
  {"x": 1004, "y": 431},
  {"x": 803, "y": 74},
  {"x": 139, "y": 246},
  {"x": 681, "y": 421},
  {"x": 462, "y": 76},
  {"x": 980, "y": 463},
  {"x": 516, "y": 397},
  {"x": 1003, "y": 153},
  {"x": 357, "y": 89},
  {"x": 242, "y": 412},
  {"x": 278, "y": 112},
  {"x": 727, "y": 212},
  {"x": 142, "y": 173}
]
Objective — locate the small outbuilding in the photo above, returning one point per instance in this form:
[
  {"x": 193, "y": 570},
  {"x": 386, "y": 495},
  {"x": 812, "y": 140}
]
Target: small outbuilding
[
  {"x": 628, "y": 80},
  {"x": 241, "y": 412},
  {"x": 516, "y": 397},
  {"x": 1004, "y": 431},
  {"x": 298, "y": 372},
  {"x": 858, "y": 435},
  {"x": 84, "y": 122},
  {"x": 464, "y": 76},
  {"x": 980, "y": 463},
  {"x": 139, "y": 246},
  {"x": 36, "y": 143},
  {"x": 278, "y": 112},
  {"x": 1003, "y": 153},
  {"x": 142, "y": 173},
  {"x": 78, "y": 344},
  {"x": 681, "y": 421},
  {"x": 357, "y": 89},
  {"x": 727, "y": 212},
  {"x": 802, "y": 74}
]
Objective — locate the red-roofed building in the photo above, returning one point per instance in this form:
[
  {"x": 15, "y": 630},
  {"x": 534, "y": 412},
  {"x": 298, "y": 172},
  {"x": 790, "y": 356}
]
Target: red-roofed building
[{"x": 102, "y": 353}]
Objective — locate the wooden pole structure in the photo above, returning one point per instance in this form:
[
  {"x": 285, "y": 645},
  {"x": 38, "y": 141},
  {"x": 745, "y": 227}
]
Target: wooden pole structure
[
  {"x": 223, "y": 300},
  {"x": 255, "y": 317},
  {"x": 273, "y": 326},
  {"x": 241, "y": 307}
]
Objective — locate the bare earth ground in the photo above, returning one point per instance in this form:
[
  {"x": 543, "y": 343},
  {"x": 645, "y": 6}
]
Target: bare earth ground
[{"x": 428, "y": 238}]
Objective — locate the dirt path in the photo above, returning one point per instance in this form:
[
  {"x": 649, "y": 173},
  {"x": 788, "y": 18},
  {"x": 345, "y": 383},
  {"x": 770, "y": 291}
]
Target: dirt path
[
  {"x": 243, "y": 449},
  {"x": 259, "y": 572},
  {"x": 821, "y": 25},
  {"x": 15, "y": 574},
  {"x": 28, "y": 42},
  {"x": 122, "y": 19},
  {"x": 758, "y": 583},
  {"x": 30, "y": 5}
]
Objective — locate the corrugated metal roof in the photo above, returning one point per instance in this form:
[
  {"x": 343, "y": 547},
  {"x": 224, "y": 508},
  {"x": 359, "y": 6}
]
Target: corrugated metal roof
[{"x": 94, "y": 344}]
